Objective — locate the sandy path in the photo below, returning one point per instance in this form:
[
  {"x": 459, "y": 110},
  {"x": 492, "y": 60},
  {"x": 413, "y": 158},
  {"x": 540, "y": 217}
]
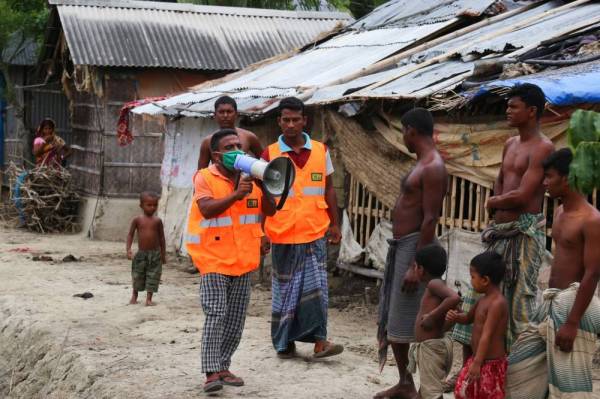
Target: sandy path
[
  {"x": 102, "y": 347},
  {"x": 53, "y": 345}
]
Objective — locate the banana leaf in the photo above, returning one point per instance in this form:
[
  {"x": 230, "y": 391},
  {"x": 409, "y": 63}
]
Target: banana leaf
[
  {"x": 584, "y": 172},
  {"x": 583, "y": 126}
]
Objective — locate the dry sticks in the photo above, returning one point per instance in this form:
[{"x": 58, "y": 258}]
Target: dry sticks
[{"x": 44, "y": 198}]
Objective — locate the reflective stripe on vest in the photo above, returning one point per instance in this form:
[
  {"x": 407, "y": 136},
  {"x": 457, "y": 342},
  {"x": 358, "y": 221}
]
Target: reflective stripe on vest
[
  {"x": 249, "y": 219},
  {"x": 216, "y": 222},
  {"x": 192, "y": 239},
  {"x": 313, "y": 191},
  {"x": 304, "y": 217},
  {"x": 229, "y": 243}
]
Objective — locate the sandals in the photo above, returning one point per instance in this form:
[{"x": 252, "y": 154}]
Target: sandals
[
  {"x": 228, "y": 378},
  {"x": 289, "y": 353},
  {"x": 329, "y": 349},
  {"x": 213, "y": 383}
]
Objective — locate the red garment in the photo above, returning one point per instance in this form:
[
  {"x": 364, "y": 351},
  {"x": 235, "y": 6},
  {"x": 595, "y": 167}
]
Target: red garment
[
  {"x": 124, "y": 135},
  {"x": 491, "y": 382}
]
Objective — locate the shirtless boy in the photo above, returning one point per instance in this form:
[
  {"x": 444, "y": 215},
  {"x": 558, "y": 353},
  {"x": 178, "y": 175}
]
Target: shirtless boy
[
  {"x": 432, "y": 353},
  {"x": 226, "y": 116},
  {"x": 483, "y": 375},
  {"x": 146, "y": 267},
  {"x": 553, "y": 357}
]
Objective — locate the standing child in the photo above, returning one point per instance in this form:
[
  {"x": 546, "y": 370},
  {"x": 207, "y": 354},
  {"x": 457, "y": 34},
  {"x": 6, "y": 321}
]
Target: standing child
[
  {"x": 146, "y": 267},
  {"x": 484, "y": 374},
  {"x": 432, "y": 352}
]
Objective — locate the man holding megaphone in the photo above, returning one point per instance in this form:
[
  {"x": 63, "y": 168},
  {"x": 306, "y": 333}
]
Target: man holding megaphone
[
  {"x": 297, "y": 233},
  {"x": 224, "y": 241}
]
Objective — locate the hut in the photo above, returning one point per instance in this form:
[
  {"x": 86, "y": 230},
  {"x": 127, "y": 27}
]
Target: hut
[
  {"x": 456, "y": 59},
  {"x": 109, "y": 53}
]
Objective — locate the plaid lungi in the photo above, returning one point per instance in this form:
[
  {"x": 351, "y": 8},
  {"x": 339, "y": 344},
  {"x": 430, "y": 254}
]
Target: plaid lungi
[
  {"x": 522, "y": 246},
  {"x": 537, "y": 368},
  {"x": 300, "y": 296},
  {"x": 224, "y": 301}
]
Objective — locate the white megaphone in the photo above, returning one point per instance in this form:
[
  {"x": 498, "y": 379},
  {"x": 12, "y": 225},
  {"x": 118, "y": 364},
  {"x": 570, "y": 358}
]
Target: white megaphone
[{"x": 277, "y": 176}]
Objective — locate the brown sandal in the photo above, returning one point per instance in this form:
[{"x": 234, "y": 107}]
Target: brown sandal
[
  {"x": 228, "y": 378},
  {"x": 213, "y": 383},
  {"x": 329, "y": 349}
]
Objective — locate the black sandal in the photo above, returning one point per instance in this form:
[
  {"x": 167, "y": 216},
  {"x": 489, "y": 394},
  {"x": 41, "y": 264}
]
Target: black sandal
[{"x": 289, "y": 353}]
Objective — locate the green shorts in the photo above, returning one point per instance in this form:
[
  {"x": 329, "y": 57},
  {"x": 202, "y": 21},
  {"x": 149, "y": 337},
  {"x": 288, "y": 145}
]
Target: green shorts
[{"x": 146, "y": 269}]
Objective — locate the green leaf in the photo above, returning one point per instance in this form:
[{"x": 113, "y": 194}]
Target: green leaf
[
  {"x": 584, "y": 172},
  {"x": 583, "y": 126}
]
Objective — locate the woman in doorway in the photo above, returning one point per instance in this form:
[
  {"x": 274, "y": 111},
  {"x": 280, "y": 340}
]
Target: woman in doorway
[{"x": 48, "y": 148}]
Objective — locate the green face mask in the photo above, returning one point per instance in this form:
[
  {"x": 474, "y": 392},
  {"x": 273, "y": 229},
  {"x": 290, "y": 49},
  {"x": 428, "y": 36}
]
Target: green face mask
[{"x": 229, "y": 158}]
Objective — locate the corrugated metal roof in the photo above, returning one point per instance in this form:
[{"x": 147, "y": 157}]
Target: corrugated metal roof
[
  {"x": 20, "y": 51},
  {"x": 150, "y": 34},
  {"x": 316, "y": 67},
  {"x": 317, "y": 75},
  {"x": 421, "y": 12}
]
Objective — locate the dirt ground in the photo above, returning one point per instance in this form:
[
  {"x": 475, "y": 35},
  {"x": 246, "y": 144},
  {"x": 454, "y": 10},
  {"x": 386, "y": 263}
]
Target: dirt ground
[
  {"x": 54, "y": 345},
  {"x": 59, "y": 346}
]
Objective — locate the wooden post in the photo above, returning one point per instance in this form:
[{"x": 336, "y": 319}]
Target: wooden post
[
  {"x": 443, "y": 218},
  {"x": 478, "y": 208},
  {"x": 369, "y": 209},
  {"x": 461, "y": 203},
  {"x": 486, "y": 214},
  {"x": 453, "y": 203},
  {"x": 469, "y": 198}
]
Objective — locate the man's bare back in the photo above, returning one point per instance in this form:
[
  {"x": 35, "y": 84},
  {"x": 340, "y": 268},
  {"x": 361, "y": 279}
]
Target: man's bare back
[
  {"x": 521, "y": 173},
  {"x": 424, "y": 186},
  {"x": 249, "y": 141}
]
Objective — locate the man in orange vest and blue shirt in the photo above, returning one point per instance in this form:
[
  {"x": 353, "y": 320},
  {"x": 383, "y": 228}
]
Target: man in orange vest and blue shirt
[
  {"x": 297, "y": 233},
  {"x": 224, "y": 240}
]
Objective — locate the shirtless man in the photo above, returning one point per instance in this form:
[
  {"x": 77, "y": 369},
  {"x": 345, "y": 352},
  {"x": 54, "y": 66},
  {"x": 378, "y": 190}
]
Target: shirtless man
[
  {"x": 226, "y": 116},
  {"x": 555, "y": 353},
  {"x": 415, "y": 218},
  {"x": 517, "y": 205}
]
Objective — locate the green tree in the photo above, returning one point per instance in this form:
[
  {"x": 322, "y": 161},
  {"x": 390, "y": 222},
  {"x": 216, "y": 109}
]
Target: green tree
[
  {"x": 360, "y": 8},
  {"x": 20, "y": 20},
  {"x": 316, "y": 5}
]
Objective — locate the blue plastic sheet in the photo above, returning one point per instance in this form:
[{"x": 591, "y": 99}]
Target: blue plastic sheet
[
  {"x": 577, "y": 84},
  {"x": 17, "y": 195}
]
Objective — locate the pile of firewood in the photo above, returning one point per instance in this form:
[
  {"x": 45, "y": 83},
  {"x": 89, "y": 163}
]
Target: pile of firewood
[{"x": 44, "y": 199}]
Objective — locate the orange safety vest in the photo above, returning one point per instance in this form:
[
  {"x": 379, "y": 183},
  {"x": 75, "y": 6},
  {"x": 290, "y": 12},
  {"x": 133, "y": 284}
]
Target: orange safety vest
[
  {"x": 230, "y": 242},
  {"x": 304, "y": 216}
]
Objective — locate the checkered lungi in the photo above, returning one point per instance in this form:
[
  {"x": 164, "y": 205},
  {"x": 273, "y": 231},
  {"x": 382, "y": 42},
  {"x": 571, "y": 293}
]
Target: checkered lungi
[{"x": 224, "y": 301}]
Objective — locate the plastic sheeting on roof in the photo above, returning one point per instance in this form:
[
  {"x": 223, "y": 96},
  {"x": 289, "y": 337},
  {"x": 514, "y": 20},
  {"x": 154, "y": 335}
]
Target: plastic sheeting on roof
[
  {"x": 150, "y": 34},
  {"x": 577, "y": 84}
]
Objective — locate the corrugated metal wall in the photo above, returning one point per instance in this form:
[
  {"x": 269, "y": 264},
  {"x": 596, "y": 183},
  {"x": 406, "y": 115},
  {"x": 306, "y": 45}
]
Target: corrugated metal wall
[
  {"x": 39, "y": 102},
  {"x": 48, "y": 102}
]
